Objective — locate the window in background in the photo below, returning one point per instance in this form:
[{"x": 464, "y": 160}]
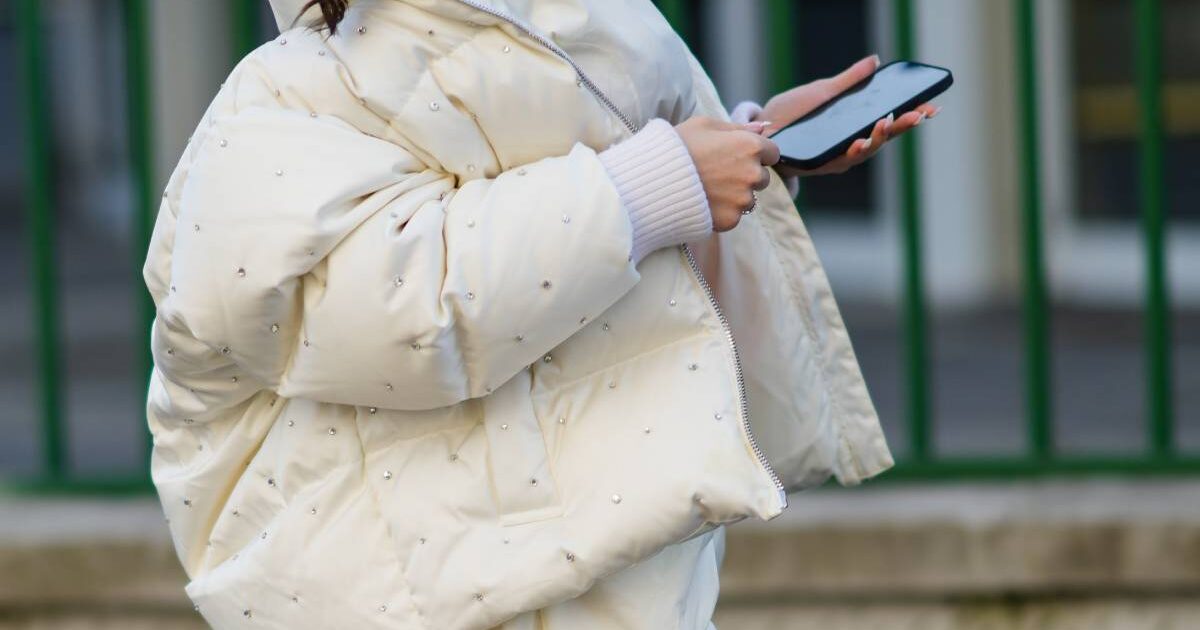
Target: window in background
[
  {"x": 1107, "y": 108},
  {"x": 1098, "y": 351},
  {"x": 831, "y": 35},
  {"x": 99, "y": 284}
]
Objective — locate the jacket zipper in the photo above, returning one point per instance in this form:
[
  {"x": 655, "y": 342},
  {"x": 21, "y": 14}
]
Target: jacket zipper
[
  {"x": 586, "y": 81},
  {"x": 740, "y": 376}
]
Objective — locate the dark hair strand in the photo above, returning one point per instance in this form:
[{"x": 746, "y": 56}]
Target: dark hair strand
[{"x": 332, "y": 11}]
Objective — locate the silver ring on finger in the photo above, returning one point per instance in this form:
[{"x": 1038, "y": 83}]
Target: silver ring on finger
[{"x": 754, "y": 205}]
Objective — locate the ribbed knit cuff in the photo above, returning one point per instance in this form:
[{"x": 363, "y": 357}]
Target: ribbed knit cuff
[{"x": 659, "y": 187}]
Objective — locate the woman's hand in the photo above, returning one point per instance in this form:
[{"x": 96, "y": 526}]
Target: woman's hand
[
  {"x": 786, "y": 107},
  {"x": 731, "y": 161}
]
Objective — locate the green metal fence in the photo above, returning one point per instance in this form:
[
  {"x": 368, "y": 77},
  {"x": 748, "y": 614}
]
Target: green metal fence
[
  {"x": 29, "y": 22},
  {"x": 1041, "y": 456},
  {"x": 922, "y": 462}
]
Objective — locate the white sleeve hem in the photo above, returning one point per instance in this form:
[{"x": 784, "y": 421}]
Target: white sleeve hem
[{"x": 659, "y": 187}]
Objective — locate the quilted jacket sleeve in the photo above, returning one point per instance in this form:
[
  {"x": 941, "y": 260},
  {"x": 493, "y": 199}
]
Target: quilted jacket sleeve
[{"x": 298, "y": 254}]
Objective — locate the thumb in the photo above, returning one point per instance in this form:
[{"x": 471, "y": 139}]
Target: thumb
[{"x": 858, "y": 71}]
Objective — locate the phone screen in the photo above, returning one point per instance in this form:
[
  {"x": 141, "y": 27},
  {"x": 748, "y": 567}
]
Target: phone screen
[{"x": 838, "y": 122}]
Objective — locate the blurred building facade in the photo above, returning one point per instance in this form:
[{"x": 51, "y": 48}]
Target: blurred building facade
[
  {"x": 1111, "y": 553},
  {"x": 969, "y": 161}
]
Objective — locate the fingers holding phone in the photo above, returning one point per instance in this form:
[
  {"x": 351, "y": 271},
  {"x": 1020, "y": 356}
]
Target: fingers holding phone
[
  {"x": 732, "y": 162},
  {"x": 846, "y": 128},
  {"x": 864, "y": 149},
  {"x": 910, "y": 119}
]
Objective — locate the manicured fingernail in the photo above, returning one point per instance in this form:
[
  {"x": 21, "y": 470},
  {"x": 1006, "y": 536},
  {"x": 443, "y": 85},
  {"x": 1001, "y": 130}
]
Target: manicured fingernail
[
  {"x": 887, "y": 122},
  {"x": 920, "y": 119},
  {"x": 875, "y": 58},
  {"x": 757, "y": 126},
  {"x": 866, "y": 144}
]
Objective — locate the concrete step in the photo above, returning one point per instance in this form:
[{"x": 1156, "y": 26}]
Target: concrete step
[
  {"x": 1028, "y": 540},
  {"x": 99, "y": 554},
  {"x": 1071, "y": 614},
  {"x": 1087, "y": 554}
]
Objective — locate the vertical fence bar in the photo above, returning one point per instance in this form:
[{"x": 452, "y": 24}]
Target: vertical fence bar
[
  {"x": 1158, "y": 359},
  {"x": 245, "y": 16},
  {"x": 916, "y": 359},
  {"x": 140, "y": 125},
  {"x": 782, "y": 25},
  {"x": 39, "y": 208},
  {"x": 1039, "y": 421}
]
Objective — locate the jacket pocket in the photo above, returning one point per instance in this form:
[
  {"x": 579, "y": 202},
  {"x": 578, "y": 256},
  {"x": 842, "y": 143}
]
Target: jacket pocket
[{"x": 522, "y": 481}]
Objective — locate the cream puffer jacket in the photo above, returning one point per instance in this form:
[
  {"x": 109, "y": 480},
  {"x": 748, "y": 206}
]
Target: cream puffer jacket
[{"x": 408, "y": 372}]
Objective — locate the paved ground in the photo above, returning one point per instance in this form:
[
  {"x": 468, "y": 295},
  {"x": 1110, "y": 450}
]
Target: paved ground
[{"x": 976, "y": 375}]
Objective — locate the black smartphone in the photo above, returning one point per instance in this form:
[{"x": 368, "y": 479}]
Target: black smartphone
[{"x": 829, "y": 130}]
